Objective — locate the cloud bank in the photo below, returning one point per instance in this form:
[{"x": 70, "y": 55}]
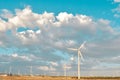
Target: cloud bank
[{"x": 42, "y": 39}]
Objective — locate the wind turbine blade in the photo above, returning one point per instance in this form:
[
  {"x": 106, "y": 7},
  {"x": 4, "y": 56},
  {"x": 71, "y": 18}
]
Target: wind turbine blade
[
  {"x": 73, "y": 49},
  {"x": 81, "y": 56},
  {"x": 82, "y": 45}
]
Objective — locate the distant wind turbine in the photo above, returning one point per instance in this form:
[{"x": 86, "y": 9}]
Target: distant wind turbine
[
  {"x": 65, "y": 73},
  {"x": 79, "y": 56},
  {"x": 18, "y": 72},
  {"x": 10, "y": 69},
  {"x": 31, "y": 70},
  {"x": 64, "y": 69}
]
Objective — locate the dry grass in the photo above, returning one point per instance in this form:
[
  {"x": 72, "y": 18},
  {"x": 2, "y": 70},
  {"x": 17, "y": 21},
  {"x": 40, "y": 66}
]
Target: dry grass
[{"x": 55, "y": 78}]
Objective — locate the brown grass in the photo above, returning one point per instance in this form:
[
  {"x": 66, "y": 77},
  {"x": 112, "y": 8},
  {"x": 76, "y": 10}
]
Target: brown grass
[{"x": 55, "y": 78}]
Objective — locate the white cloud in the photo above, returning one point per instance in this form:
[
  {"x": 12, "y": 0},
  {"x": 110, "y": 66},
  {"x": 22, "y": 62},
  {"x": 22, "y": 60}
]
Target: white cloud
[
  {"x": 117, "y": 15},
  {"x": 28, "y": 36},
  {"x": 57, "y": 33},
  {"x": 6, "y": 14},
  {"x": 116, "y": 0},
  {"x": 14, "y": 55},
  {"x": 3, "y": 25},
  {"x": 46, "y": 68},
  {"x": 116, "y": 11},
  {"x": 54, "y": 32},
  {"x": 116, "y": 58},
  {"x": 38, "y": 32},
  {"x": 54, "y": 63},
  {"x": 0, "y": 43},
  {"x": 48, "y": 21},
  {"x": 22, "y": 57},
  {"x": 72, "y": 58},
  {"x": 64, "y": 17},
  {"x": 43, "y": 68},
  {"x": 53, "y": 27}
]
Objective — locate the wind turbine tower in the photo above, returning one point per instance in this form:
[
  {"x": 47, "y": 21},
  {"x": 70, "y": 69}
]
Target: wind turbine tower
[
  {"x": 31, "y": 71},
  {"x": 18, "y": 72},
  {"x": 10, "y": 69},
  {"x": 65, "y": 69}
]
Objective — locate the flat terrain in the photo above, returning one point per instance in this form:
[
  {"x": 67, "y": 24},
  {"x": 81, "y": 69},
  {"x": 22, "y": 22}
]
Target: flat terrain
[{"x": 55, "y": 78}]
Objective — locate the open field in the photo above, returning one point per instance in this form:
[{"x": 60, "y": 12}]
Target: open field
[{"x": 55, "y": 78}]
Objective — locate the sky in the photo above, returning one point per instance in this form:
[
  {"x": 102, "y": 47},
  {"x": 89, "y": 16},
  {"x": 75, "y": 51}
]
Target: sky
[{"x": 38, "y": 33}]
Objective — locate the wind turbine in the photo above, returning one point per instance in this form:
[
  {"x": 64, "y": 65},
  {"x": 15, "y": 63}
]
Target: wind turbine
[
  {"x": 79, "y": 56},
  {"x": 10, "y": 69},
  {"x": 64, "y": 69},
  {"x": 18, "y": 72},
  {"x": 31, "y": 71}
]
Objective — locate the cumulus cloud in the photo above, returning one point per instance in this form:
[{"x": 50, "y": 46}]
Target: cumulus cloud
[
  {"x": 116, "y": 0},
  {"x": 22, "y": 57},
  {"x": 6, "y": 14},
  {"x": 47, "y": 36},
  {"x": 46, "y": 68},
  {"x": 54, "y": 63},
  {"x": 117, "y": 11}
]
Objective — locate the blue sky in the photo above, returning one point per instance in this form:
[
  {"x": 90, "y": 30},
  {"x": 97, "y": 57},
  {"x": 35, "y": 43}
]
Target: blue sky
[
  {"x": 91, "y": 8},
  {"x": 38, "y": 33}
]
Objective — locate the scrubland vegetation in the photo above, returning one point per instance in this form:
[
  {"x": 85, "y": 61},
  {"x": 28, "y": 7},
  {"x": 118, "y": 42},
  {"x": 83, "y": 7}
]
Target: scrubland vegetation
[{"x": 55, "y": 78}]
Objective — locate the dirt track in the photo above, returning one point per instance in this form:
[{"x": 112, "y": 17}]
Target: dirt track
[{"x": 54, "y": 78}]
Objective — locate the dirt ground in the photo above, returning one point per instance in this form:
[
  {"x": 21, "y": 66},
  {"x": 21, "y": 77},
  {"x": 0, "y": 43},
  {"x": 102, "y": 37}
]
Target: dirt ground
[{"x": 55, "y": 78}]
